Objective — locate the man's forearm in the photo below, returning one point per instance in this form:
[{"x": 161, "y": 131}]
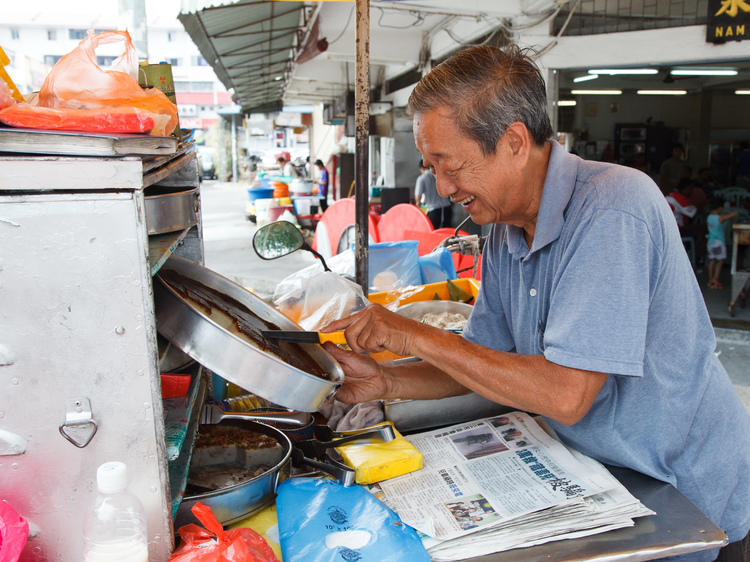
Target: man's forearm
[{"x": 420, "y": 381}]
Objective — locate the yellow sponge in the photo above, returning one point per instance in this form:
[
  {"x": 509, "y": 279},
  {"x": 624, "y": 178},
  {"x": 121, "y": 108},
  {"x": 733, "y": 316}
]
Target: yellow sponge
[{"x": 374, "y": 460}]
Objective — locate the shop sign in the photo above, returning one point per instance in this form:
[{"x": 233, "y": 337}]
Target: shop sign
[{"x": 728, "y": 20}]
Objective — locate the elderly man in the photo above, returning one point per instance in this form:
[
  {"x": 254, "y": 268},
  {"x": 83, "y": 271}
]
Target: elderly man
[{"x": 589, "y": 313}]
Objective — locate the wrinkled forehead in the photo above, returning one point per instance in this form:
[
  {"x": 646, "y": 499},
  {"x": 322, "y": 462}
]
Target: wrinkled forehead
[{"x": 437, "y": 134}]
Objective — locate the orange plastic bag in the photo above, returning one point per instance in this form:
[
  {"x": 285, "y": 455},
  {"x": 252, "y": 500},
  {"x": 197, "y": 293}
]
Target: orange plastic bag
[
  {"x": 77, "y": 82},
  {"x": 214, "y": 544}
]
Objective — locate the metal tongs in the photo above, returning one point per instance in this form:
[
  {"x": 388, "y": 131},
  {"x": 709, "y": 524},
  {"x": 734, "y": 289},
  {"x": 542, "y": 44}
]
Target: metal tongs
[
  {"x": 214, "y": 413},
  {"x": 320, "y": 452}
]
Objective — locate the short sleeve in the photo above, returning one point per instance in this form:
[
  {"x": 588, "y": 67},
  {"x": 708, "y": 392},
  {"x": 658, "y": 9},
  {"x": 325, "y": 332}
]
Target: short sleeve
[
  {"x": 599, "y": 304},
  {"x": 487, "y": 324}
]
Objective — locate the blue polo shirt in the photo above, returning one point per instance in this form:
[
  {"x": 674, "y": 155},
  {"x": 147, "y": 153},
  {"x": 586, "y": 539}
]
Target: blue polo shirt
[{"x": 607, "y": 286}]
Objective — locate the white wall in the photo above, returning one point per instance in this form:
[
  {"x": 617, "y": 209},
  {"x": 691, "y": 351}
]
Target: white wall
[{"x": 322, "y": 137}]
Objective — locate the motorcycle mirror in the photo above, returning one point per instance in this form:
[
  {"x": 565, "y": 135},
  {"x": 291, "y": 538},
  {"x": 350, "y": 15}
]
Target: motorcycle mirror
[
  {"x": 281, "y": 238},
  {"x": 277, "y": 239}
]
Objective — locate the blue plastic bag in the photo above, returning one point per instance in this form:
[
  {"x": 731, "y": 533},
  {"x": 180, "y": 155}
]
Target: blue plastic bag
[
  {"x": 392, "y": 265},
  {"x": 320, "y": 520},
  {"x": 437, "y": 266}
]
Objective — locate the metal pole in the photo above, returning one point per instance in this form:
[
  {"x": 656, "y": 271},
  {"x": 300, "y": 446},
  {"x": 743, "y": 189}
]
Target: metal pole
[
  {"x": 235, "y": 157},
  {"x": 361, "y": 162}
]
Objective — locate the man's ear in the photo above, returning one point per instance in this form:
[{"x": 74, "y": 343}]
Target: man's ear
[{"x": 518, "y": 138}]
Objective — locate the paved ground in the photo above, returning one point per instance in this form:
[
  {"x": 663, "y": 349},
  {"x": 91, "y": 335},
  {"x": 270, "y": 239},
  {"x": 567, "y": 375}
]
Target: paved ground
[{"x": 227, "y": 237}]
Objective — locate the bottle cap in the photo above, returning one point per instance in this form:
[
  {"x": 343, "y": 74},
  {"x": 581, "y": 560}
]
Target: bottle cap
[{"x": 112, "y": 477}]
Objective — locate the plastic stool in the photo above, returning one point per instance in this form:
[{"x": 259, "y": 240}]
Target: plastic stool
[{"x": 689, "y": 243}]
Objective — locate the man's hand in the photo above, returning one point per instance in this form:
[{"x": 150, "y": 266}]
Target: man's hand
[
  {"x": 374, "y": 329},
  {"x": 365, "y": 379}
]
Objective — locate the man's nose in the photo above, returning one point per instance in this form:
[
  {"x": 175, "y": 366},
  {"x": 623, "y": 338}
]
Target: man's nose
[{"x": 445, "y": 186}]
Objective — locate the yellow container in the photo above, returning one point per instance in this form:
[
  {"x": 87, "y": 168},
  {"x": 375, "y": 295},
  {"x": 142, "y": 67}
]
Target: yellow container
[
  {"x": 374, "y": 460},
  {"x": 425, "y": 292}
]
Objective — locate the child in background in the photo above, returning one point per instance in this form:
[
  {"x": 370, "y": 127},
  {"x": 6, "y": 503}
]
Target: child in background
[{"x": 716, "y": 246}]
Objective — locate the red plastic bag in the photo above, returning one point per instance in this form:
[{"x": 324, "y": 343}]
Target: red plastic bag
[
  {"x": 214, "y": 544},
  {"x": 119, "y": 120},
  {"x": 14, "y": 530},
  {"x": 78, "y": 82}
]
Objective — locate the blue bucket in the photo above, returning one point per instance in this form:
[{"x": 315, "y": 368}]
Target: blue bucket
[{"x": 259, "y": 193}]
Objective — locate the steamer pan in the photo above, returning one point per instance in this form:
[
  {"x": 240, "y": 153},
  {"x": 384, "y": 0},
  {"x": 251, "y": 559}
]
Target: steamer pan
[
  {"x": 232, "y": 356},
  {"x": 234, "y": 503},
  {"x": 416, "y": 310},
  {"x": 169, "y": 209}
]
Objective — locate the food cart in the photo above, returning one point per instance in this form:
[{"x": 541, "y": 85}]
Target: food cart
[{"x": 80, "y": 274}]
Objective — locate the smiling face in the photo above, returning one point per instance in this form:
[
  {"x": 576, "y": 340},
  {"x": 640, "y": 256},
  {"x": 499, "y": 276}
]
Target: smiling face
[{"x": 490, "y": 187}]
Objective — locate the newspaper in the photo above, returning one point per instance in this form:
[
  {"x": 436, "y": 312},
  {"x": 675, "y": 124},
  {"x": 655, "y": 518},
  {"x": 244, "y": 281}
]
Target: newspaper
[{"x": 504, "y": 482}]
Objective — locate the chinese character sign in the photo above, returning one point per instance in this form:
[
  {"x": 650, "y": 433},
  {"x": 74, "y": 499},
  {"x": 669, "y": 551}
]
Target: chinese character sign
[{"x": 728, "y": 20}]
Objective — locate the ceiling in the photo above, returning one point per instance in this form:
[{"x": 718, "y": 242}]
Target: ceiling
[
  {"x": 257, "y": 47},
  {"x": 249, "y": 45},
  {"x": 403, "y": 36},
  {"x": 662, "y": 80}
]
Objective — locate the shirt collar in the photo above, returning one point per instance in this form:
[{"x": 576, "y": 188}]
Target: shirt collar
[{"x": 557, "y": 191}]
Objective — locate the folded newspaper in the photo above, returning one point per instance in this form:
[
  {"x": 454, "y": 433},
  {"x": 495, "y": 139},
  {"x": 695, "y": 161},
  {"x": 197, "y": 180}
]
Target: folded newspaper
[{"x": 501, "y": 483}]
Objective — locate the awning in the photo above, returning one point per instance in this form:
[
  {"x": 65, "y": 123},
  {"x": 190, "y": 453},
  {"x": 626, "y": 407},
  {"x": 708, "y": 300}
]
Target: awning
[{"x": 250, "y": 45}]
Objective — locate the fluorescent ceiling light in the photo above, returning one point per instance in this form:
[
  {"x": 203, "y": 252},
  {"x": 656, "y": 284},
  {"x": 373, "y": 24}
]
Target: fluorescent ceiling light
[
  {"x": 661, "y": 92},
  {"x": 585, "y": 78},
  {"x": 566, "y": 103},
  {"x": 611, "y": 71},
  {"x": 742, "y": 92},
  {"x": 703, "y": 72},
  {"x": 596, "y": 92}
]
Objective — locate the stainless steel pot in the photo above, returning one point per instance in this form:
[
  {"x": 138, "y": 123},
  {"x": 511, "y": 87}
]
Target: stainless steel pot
[
  {"x": 169, "y": 209},
  {"x": 234, "y": 503},
  {"x": 236, "y": 358}
]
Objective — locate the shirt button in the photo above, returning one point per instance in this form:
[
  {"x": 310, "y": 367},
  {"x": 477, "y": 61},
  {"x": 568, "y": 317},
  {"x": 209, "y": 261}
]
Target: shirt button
[{"x": 532, "y": 292}]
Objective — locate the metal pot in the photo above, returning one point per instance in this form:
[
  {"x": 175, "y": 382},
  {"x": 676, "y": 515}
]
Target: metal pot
[
  {"x": 169, "y": 209},
  {"x": 233, "y": 357},
  {"x": 416, "y": 310},
  {"x": 234, "y": 503}
]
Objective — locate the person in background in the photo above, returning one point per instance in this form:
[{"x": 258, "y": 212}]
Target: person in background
[
  {"x": 672, "y": 170},
  {"x": 439, "y": 209},
  {"x": 716, "y": 246},
  {"x": 589, "y": 313},
  {"x": 679, "y": 202},
  {"x": 322, "y": 184},
  {"x": 286, "y": 166}
]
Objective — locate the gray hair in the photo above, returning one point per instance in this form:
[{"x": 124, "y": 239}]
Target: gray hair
[{"x": 488, "y": 89}]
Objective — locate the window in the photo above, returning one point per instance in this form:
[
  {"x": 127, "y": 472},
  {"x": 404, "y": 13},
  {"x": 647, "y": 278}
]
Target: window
[
  {"x": 76, "y": 34},
  {"x": 170, "y": 36},
  {"x": 174, "y": 62},
  {"x": 199, "y": 61},
  {"x": 187, "y": 86},
  {"x": 14, "y": 33},
  {"x": 105, "y": 60},
  {"x": 51, "y": 35},
  {"x": 50, "y": 60}
]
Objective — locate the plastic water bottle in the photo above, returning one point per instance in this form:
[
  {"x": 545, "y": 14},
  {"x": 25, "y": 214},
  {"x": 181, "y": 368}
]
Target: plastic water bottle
[{"x": 116, "y": 526}]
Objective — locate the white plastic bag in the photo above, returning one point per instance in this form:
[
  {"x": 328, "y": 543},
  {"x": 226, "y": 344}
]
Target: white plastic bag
[{"x": 318, "y": 299}]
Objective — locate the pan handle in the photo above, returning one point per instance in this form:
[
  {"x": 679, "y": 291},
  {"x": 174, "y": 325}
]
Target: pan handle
[{"x": 292, "y": 419}]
